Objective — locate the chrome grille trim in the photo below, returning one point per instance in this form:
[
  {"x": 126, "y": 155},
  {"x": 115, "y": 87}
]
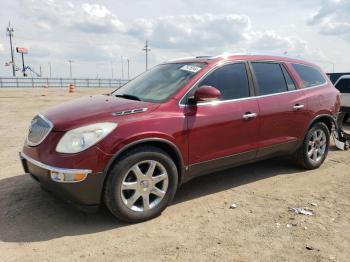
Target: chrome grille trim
[
  {"x": 42, "y": 133},
  {"x": 129, "y": 112}
]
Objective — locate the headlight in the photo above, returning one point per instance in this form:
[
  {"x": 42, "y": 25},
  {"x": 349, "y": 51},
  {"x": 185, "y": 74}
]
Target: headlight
[{"x": 81, "y": 138}]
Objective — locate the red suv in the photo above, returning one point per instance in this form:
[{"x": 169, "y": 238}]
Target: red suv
[{"x": 131, "y": 149}]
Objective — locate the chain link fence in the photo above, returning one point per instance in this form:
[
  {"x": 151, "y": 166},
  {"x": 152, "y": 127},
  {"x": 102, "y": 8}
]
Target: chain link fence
[{"x": 39, "y": 82}]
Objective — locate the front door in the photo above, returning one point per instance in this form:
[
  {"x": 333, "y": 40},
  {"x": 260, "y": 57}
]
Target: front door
[{"x": 223, "y": 132}]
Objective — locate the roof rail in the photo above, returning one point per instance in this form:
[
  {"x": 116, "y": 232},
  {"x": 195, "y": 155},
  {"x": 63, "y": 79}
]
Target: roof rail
[{"x": 256, "y": 53}]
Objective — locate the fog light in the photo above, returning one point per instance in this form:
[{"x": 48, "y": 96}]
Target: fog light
[{"x": 67, "y": 177}]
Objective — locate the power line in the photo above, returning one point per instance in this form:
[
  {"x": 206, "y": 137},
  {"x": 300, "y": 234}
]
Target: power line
[
  {"x": 146, "y": 49},
  {"x": 10, "y": 31}
]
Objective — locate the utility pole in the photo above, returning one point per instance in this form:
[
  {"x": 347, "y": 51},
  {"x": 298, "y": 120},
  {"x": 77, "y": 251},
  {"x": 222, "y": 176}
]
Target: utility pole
[
  {"x": 41, "y": 75},
  {"x": 70, "y": 67},
  {"x": 146, "y": 49},
  {"x": 50, "y": 69},
  {"x": 10, "y": 31},
  {"x": 112, "y": 70},
  {"x": 122, "y": 66},
  {"x": 23, "y": 68},
  {"x": 128, "y": 69}
]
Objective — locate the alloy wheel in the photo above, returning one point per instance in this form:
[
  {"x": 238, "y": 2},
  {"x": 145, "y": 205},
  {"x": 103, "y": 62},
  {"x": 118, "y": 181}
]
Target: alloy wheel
[
  {"x": 317, "y": 145},
  {"x": 144, "y": 185}
]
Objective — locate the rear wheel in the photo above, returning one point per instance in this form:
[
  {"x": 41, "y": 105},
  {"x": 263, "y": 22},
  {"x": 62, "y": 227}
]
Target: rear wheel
[
  {"x": 314, "y": 149},
  {"x": 141, "y": 184}
]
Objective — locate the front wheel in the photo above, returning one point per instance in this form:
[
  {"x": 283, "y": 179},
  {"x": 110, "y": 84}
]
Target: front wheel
[
  {"x": 314, "y": 149},
  {"x": 141, "y": 184}
]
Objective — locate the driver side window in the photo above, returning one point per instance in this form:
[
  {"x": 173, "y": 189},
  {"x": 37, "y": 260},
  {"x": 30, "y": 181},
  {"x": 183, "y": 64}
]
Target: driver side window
[{"x": 231, "y": 80}]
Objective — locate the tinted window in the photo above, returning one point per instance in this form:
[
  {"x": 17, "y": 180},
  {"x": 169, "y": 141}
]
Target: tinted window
[
  {"x": 289, "y": 80},
  {"x": 343, "y": 86},
  {"x": 161, "y": 82},
  {"x": 270, "y": 78},
  {"x": 309, "y": 75},
  {"x": 231, "y": 80}
]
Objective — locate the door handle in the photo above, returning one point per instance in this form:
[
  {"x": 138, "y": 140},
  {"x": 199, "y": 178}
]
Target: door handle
[
  {"x": 298, "y": 107},
  {"x": 249, "y": 115}
]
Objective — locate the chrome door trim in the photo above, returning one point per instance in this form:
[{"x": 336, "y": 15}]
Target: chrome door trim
[
  {"x": 255, "y": 97},
  {"x": 249, "y": 97}
]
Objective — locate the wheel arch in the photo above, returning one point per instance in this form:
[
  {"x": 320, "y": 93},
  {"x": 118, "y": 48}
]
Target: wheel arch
[
  {"x": 161, "y": 143},
  {"x": 327, "y": 119}
]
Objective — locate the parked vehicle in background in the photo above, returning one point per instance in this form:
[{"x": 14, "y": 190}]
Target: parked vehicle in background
[
  {"x": 133, "y": 148},
  {"x": 343, "y": 85}
]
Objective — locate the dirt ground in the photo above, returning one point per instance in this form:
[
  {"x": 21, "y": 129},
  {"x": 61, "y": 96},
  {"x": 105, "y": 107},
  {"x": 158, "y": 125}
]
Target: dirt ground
[{"x": 198, "y": 226}]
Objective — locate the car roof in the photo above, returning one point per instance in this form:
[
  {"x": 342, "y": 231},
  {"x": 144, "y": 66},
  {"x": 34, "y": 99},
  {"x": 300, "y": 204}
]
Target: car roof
[
  {"x": 344, "y": 77},
  {"x": 341, "y": 78},
  {"x": 239, "y": 57}
]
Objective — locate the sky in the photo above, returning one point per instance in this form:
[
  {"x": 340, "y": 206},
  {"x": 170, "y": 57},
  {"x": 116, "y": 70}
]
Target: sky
[{"x": 100, "y": 36}]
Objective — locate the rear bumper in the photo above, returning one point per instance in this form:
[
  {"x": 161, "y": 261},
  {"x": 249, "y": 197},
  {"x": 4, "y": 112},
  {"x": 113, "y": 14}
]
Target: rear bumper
[{"x": 84, "y": 194}]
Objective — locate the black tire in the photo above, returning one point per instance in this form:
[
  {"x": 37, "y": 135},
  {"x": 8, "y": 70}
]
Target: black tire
[
  {"x": 302, "y": 157},
  {"x": 112, "y": 192}
]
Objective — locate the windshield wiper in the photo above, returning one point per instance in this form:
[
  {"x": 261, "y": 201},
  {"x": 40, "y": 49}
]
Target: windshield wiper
[{"x": 127, "y": 96}]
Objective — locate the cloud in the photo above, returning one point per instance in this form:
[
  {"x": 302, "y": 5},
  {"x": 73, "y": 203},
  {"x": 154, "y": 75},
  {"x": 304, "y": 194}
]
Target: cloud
[
  {"x": 92, "y": 33},
  {"x": 90, "y": 18},
  {"x": 271, "y": 40},
  {"x": 333, "y": 18},
  {"x": 191, "y": 31},
  {"x": 92, "y": 52}
]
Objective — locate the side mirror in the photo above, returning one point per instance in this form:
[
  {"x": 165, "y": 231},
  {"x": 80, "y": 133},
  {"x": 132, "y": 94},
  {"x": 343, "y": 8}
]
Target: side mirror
[{"x": 206, "y": 94}]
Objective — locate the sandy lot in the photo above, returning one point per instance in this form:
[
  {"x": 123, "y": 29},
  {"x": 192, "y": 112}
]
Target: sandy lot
[{"x": 198, "y": 226}]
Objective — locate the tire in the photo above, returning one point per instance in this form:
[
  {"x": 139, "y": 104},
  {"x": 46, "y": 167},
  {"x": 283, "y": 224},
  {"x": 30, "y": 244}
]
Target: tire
[
  {"x": 322, "y": 146},
  {"x": 132, "y": 176}
]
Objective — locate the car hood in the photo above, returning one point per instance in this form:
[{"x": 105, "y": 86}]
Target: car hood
[{"x": 93, "y": 109}]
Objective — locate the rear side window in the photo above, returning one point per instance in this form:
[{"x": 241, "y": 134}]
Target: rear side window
[
  {"x": 270, "y": 78},
  {"x": 343, "y": 86},
  {"x": 231, "y": 80},
  {"x": 309, "y": 75}
]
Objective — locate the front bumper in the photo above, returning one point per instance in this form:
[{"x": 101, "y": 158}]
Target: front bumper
[{"x": 85, "y": 193}]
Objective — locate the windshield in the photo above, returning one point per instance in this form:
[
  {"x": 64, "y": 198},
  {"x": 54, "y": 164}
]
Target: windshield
[{"x": 160, "y": 83}]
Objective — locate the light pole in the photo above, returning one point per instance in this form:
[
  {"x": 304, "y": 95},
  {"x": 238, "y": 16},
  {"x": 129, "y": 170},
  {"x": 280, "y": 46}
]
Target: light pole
[
  {"x": 146, "y": 49},
  {"x": 112, "y": 70},
  {"x": 128, "y": 69},
  {"x": 10, "y": 31},
  {"x": 70, "y": 67},
  {"x": 122, "y": 66}
]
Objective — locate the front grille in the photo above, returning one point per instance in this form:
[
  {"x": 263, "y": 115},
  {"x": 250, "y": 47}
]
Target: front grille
[{"x": 39, "y": 128}]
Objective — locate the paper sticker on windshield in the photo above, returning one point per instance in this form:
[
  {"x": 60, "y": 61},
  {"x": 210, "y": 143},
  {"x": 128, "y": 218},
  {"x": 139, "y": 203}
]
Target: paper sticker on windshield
[{"x": 193, "y": 69}]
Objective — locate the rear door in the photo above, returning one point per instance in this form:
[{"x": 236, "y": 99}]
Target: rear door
[
  {"x": 282, "y": 108},
  {"x": 220, "y": 133}
]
